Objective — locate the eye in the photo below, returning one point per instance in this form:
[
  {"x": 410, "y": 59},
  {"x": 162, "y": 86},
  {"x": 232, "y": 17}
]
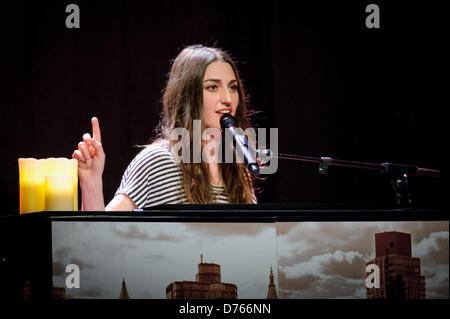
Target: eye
[
  {"x": 211, "y": 87},
  {"x": 233, "y": 87}
]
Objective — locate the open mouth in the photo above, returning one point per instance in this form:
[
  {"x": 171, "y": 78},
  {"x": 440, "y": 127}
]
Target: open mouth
[{"x": 223, "y": 111}]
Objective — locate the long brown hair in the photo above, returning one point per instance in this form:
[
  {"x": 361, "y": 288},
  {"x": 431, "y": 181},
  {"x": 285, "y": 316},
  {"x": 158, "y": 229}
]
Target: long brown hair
[{"x": 182, "y": 103}]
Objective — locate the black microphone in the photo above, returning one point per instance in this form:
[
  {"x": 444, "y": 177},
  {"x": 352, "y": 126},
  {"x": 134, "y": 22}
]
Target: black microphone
[{"x": 240, "y": 143}]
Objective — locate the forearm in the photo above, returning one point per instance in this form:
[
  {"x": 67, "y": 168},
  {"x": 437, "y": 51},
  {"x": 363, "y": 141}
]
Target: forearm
[{"x": 92, "y": 195}]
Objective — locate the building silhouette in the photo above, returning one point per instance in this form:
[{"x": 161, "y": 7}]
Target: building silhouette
[
  {"x": 400, "y": 275},
  {"x": 207, "y": 285},
  {"x": 272, "y": 292},
  {"x": 59, "y": 293},
  {"x": 124, "y": 292}
]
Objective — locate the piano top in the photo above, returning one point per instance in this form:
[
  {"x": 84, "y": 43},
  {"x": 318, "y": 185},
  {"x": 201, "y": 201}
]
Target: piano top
[{"x": 267, "y": 212}]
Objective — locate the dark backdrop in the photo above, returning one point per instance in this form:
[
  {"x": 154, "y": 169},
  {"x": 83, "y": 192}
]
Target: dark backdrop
[{"x": 330, "y": 85}]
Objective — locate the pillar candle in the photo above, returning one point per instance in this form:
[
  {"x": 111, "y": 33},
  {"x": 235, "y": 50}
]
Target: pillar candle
[
  {"x": 31, "y": 184},
  {"x": 59, "y": 192}
]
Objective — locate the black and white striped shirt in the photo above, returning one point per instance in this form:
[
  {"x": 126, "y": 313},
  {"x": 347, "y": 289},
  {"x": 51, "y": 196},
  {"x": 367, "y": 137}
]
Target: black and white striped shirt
[{"x": 154, "y": 178}]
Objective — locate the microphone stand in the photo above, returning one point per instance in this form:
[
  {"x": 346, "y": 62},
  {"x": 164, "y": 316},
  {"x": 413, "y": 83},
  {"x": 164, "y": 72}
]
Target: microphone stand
[{"x": 398, "y": 172}]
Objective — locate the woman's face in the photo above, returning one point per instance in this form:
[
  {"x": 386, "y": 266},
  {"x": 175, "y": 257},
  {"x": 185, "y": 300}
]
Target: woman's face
[{"x": 220, "y": 93}]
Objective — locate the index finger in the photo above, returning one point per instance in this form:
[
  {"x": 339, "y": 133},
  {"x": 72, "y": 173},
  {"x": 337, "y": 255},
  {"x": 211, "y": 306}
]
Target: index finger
[{"x": 96, "y": 134}]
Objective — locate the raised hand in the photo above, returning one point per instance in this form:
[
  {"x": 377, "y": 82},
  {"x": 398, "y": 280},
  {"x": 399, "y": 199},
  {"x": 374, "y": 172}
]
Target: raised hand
[{"x": 90, "y": 156}]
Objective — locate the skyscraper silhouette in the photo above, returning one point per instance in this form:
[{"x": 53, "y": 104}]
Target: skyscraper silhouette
[
  {"x": 124, "y": 292},
  {"x": 272, "y": 292},
  {"x": 400, "y": 276},
  {"x": 207, "y": 285}
]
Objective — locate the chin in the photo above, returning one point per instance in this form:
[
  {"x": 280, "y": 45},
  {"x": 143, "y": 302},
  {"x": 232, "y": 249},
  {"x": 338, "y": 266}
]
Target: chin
[{"x": 215, "y": 125}]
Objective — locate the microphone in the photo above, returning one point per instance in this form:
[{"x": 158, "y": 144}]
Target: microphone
[{"x": 240, "y": 143}]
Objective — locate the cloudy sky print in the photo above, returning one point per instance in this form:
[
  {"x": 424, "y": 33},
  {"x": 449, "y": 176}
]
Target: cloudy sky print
[
  {"x": 149, "y": 256},
  {"x": 327, "y": 259}
]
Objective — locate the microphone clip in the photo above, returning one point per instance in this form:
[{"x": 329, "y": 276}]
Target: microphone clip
[{"x": 324, "y": 164}]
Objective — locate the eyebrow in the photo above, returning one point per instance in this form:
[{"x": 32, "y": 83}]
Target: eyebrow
[{"x": 219, "y": 81}]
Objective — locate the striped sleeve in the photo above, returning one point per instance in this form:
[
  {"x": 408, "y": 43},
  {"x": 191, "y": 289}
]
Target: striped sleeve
[{"x": 152, "y": 178}]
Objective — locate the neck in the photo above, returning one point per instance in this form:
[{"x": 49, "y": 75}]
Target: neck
[
  {"x": 210, "y": 150},
  {"x": 210, "y": 156}
]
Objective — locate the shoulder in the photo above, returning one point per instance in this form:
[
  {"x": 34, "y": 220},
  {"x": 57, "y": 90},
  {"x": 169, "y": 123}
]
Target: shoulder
[{"x": 155, "y": 152}]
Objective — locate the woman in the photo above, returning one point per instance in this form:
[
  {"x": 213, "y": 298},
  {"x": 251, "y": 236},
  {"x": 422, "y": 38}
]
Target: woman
[{"x": 203, "y": 85}]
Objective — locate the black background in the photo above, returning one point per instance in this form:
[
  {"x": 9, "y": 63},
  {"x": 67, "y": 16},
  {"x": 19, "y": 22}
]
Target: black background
[{"x": 330, "y": 85}]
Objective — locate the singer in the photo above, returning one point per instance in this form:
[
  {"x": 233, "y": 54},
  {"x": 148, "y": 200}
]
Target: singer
[{"x": 203, "y": 84}]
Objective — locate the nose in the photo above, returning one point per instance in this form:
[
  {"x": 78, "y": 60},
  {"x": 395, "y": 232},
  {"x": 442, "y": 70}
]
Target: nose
[{"x": 225, "y": 98}]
